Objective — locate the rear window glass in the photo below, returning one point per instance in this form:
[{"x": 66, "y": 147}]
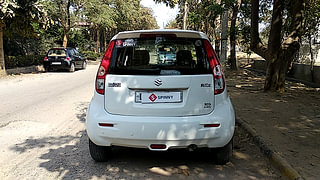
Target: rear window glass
[
  {"x": 57, "y": 52},
  {"x": 159, "y": 56}
]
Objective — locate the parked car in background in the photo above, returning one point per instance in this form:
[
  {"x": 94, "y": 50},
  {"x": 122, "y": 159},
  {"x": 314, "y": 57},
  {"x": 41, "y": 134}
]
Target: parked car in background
[
  {"x": 166, "y": 56},
  {"x": 64, "y": 58},
  {"x": 142, "y": 101}
]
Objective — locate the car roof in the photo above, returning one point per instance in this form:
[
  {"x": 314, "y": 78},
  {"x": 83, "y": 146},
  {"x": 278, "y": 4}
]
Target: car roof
[
  {"x": 67, "y": 48},
  {"x": 177, "y": 32}
]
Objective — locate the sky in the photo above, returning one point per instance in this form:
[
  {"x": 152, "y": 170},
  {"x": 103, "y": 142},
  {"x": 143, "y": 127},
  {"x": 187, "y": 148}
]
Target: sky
[{"x": 161, "y": 12}]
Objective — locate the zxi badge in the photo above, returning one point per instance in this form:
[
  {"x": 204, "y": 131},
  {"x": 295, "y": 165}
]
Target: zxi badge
[{"x": 158, "y": 82}]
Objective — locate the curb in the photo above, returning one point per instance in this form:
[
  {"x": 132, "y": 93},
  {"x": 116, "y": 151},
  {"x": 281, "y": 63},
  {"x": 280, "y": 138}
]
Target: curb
[
  {"x": 276, "y": 160},
  {"x": 28, "y": 69}
]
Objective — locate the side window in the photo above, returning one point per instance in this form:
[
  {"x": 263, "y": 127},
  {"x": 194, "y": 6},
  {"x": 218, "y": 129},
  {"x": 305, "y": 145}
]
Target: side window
[
  {"x": 71, "y": 52},
  {"x": 76, "y": 52}
]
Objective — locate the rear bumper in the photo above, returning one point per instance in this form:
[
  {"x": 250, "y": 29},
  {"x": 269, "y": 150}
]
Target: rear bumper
[
  {"x": 63, "y": 65},
  {"x": 174, "y": 132}
]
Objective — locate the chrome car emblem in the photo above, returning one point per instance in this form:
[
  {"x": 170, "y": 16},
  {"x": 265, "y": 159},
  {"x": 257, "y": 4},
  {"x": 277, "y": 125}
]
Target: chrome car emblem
[{"x": 158, "y": 82}]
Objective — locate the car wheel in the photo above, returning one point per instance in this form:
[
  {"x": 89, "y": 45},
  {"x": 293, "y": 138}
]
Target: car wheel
[
  {"x": 223, "y": 154},
  {"x": 84, "y": 65},
  {"x": 99, "y": 153},
  {"x": 72, "y": 67}
]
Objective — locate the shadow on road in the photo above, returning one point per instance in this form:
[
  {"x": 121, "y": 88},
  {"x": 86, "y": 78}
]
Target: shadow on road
[{"x": 68, "y": 156}]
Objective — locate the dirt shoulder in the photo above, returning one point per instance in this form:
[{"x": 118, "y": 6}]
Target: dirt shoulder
[{"x": 289, "y": 122}]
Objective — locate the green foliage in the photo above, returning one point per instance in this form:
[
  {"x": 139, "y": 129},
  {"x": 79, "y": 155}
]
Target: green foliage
[
  {"x": 78, "y": 39},
  {"x": 244, "y": 26},
  {"x": 170, "y": 3},
  {"x": 90, "y": 55},
  {"x": 312, "y": 18},
  {"x": 131, "y": 16},
  {"x": 22, "y": 61},
  {"x": 7, "y": 9}
]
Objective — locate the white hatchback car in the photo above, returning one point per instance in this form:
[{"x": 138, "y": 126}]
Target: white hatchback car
[{"x": 144, "y": 102}]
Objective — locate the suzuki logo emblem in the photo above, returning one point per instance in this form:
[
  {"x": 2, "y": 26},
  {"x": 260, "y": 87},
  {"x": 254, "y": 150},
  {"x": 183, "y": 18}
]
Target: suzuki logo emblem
[{"x": 158, "y": 82}]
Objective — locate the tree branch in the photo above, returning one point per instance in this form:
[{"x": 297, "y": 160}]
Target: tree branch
[
  {"x": 256, "y": 45},
  {"x": 274, "y": 41},
  {"x": 292, "y": 43}
]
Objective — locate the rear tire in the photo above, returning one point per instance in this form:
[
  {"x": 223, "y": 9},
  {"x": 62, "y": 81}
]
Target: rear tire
[
  {"x": 223, "y": 154},
  {"x": 72, "y": 67},
  {"x": 47, "y": 69},
  {"x": 99, "y": 153}
]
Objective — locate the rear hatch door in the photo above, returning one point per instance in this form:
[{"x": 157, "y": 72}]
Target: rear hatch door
[{"x": 140, "y": 83}]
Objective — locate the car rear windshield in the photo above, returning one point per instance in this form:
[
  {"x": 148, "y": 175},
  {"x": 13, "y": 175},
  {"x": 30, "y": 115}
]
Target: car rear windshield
[
  {"x": 57, "y": 52},
  {"x": 159, "y": 56}
]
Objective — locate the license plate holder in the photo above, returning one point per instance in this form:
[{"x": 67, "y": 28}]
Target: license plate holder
[{"x": 158, "y": 97}]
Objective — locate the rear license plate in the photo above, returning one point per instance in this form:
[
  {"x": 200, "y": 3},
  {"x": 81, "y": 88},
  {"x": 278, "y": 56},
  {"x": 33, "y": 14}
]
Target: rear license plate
[
  {"x": 56, "y": 63},
  {"x": 158, "y": 97}
]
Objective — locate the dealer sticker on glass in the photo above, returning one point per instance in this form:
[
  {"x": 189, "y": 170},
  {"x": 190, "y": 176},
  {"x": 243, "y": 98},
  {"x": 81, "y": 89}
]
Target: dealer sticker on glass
[{"x": 158, "y": 97}]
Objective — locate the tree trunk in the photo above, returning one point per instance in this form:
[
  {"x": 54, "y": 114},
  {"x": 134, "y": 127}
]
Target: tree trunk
[
  {"x": 224, "y": 38},
  {"x": 98, "y": 41},
  {"x": 233, "y": 32},
  {"x": 217, "y": 47},
  {"x": 2, "y": 63},
  {"x": 65, "y": 39},
  {"x": 104, "y": 45},
  {"x": 66, "y": 23},
  {"x": 185, "y": 15},
  {"x": 311, "y": 58},
  {"x": 278, "y": 55},
  {"x": 275, "y": 74}
]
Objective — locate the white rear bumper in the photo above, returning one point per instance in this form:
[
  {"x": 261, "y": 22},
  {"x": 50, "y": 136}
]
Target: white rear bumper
[{"x": 174, "y": 132}]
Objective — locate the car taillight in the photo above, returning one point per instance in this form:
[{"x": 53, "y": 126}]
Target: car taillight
[
  {"x": 45, "y": 58},
  {"x": 68, "y": 59},
  {"x": 103, "y": 69},
  {"x": 219, "y": 82}
]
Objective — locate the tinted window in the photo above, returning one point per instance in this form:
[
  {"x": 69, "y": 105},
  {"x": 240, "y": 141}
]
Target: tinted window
[
  {"x": 71, "y": 52},
  {"x": 57, "y": 52},
  {"x": 159, "y": 56}
]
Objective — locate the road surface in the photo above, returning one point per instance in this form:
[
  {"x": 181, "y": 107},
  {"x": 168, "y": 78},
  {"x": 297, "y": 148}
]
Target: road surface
[{"x": 42, "y": 136}]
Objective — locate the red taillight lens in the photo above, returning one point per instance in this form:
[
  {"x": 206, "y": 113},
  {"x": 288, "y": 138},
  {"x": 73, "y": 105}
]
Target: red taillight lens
[
  {"x": 158, "y": 146},
  {"x": 219, "y": 83},
  {"x": 211, "y": 125},
  {"x": 68, "y": 59},
  {"x": 103, "y": 69},
  {"x": 45, "y": 58},
  {"x": 106, "y": 125}
]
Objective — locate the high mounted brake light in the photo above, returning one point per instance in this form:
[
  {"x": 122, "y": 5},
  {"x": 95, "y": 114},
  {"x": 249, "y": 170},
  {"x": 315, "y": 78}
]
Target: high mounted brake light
[
  {"x": 103, "y": 69},
  {"x": 157, "y": 35},
  {"x": 219, "y": 82}
]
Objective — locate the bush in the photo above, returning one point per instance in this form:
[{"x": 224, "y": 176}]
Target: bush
[
  {"x": 90, "y": 55},
  {"x": 22, "y": 61}
]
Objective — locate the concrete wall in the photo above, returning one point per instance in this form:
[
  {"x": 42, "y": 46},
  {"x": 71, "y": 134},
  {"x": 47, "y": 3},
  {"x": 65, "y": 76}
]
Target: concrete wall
[
  {"x": 303, "y": 72},
  {"x": 304, "y": 56},
  {"x": 299, "y": 71}
]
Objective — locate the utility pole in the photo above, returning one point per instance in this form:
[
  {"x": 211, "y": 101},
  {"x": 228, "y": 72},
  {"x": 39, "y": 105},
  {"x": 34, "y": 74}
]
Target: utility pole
[
  {"x": 224, "y": 38},
  {"x": 185, "y": 15}
]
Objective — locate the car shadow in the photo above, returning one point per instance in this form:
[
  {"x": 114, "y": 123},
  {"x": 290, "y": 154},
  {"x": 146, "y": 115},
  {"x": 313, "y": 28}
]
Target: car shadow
[{"x": 68, "y": 158}]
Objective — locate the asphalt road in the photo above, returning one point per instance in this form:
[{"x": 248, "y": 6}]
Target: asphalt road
[{"x": 42, "y": 136}]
